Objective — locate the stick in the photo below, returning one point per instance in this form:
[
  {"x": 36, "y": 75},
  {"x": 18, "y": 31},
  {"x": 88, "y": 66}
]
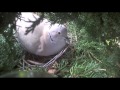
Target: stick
[{"x": 55, "y": 58}]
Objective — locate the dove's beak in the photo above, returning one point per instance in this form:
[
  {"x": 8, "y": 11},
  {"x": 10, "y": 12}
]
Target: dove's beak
[{"x": 67, "y": 40}]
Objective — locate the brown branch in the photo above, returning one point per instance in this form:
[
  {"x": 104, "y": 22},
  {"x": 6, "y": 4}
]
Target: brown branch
[
  {"x": 55, "y": 58},
  {"x": 91, "y": 54}
]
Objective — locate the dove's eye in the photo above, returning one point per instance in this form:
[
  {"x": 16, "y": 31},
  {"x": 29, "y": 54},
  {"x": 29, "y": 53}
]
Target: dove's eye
[{"x": 58, "y": 32}]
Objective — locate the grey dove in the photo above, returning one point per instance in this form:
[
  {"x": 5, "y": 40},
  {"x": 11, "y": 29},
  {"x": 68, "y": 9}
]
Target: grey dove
[{"x": 45, "y": 40}]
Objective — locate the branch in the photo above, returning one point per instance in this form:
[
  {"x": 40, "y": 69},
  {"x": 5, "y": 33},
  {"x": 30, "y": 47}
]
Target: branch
[
  {"x": 55, "y": 58},
  {"x": 91, "y": 54},
  {"x": 35, "y": 23}
]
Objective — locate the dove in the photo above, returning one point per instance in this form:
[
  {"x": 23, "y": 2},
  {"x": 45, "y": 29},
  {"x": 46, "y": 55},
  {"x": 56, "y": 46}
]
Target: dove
[{"x": 45, "y": 39}]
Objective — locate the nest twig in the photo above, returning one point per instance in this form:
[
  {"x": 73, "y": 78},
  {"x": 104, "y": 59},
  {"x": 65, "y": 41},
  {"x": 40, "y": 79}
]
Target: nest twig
[{"x": 55, "y": 58}]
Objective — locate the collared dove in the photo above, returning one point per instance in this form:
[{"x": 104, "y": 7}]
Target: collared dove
[{"x": 45, "y": 40}]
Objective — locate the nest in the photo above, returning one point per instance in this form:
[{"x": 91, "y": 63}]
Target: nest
[
  {"x": 40, "y": 59},
  {"x": 30, "y": 60}
]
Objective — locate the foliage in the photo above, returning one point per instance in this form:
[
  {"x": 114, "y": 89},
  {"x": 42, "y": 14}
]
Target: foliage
[
  {"x": 103, "y": 26},
  {"x": 95, "y": 37},
  {"x": 97, "y": 50},
  {"x": 6, "y": 19},
  {"x": 10, "y": 52},
  {"x": 28, "y": 74}
]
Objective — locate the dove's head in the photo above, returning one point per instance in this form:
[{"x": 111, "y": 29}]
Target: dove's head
[{"x": 58, "y": 31}]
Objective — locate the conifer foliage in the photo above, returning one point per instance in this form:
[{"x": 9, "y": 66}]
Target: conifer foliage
[{"x": 94, "y": 36}]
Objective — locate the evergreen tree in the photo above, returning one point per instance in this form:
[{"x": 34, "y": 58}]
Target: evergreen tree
[{"x": 95, "y": 37}]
